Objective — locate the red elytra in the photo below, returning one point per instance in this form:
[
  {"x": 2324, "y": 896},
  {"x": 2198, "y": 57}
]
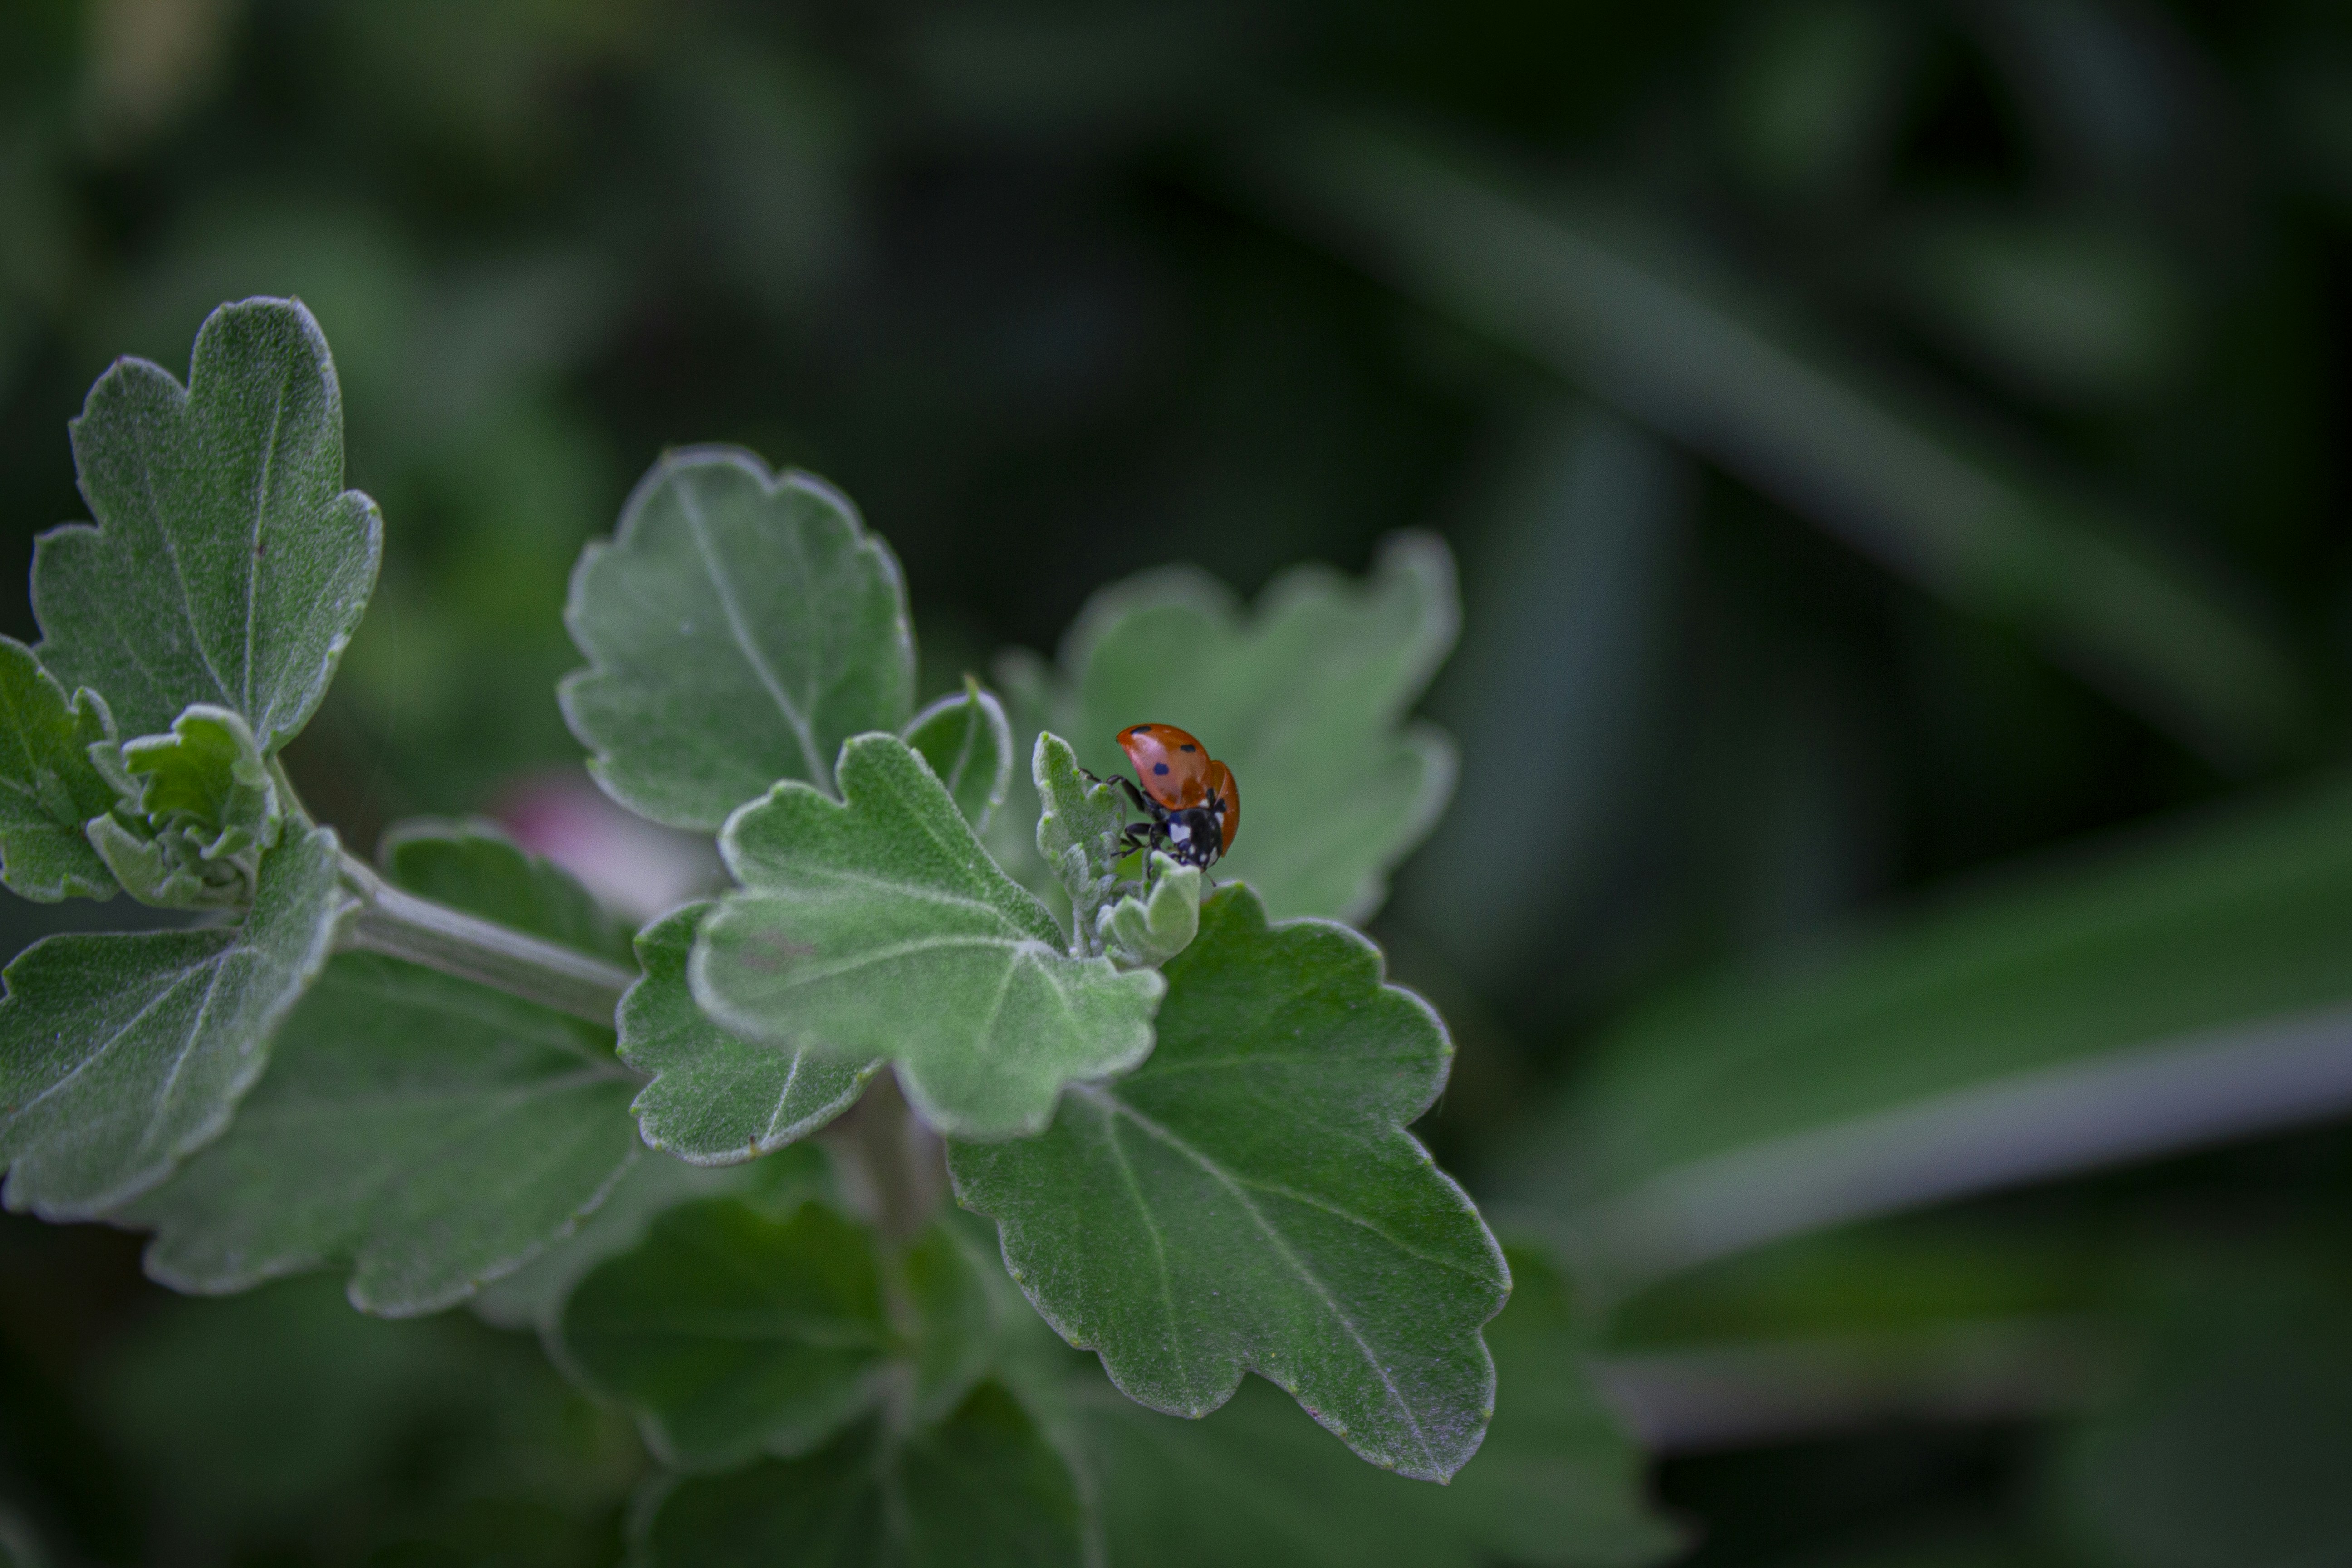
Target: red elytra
[
  {"x": 1171, "y": 766},
  {"x": 1178, "y": 775},
  {"x": 1221, "y": 788}
]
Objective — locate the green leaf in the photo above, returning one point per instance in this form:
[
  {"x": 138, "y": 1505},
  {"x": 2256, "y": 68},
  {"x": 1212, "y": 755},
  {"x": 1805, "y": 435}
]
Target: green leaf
[
  {"x": 738, "y": 1326},
  {"x": 968, "y": 744},
  {"x": 532, "y": 1297},
  {"x": 730, "y": 1333},
  {"x": 427, "y": 1133},
  {"x": 1144, "y": 933},
  {"x": 716, "y": 1100},
  {"x": 1554, "y": 1482},
  {"x": 1249, "y": 1200},
  {"x": 2183, "y": 989},
  {"x": 982, "y": 1489},
  {"x": 229, "y": 564},
  {"x": 119, "y": 1055},
  {"x": 1304, "y": 698},
  {"x": 1078, "y": 835},
  {"x": 739, "y": 625},
  {"x": 198, "y": 811},
  {"x": 474, "y": 866},
  {"x": 48, "y": 787},
  {"x": 880, "y": 927}
]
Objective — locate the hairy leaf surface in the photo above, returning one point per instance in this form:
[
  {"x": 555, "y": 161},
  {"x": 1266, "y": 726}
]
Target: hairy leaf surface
[
  {"x": 428, "y": 1132},
  {"x": 715, "y": 1099},
  {"x": 982, "y": 1488},
  {"x": 123, "y": 1054},
  {"x": 228, "y": 565},
  {"x": 739, "y": 626},
  {"x": 1249, "y": 1200},
  {"x": 880, "y": 927},
  {"x": 1556, "y": 1482},
  {"x": 198, "y": 809},
  {"x": 968, "y": 744},
  {"x": 48, "y": 787},
  {"x": 1304, "y": 697}
]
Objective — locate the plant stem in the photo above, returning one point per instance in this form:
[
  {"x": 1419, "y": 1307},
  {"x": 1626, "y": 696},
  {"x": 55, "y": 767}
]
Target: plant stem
[
  {"x": 894, "y": 1157},
  {"x": 402, "y": 925}
]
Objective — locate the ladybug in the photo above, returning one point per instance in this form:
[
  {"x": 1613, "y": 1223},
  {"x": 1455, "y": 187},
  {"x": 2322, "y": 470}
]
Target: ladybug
[{"x": 1195, "y": 809}]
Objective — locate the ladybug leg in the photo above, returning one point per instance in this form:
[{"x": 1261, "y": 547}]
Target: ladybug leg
[{"x": 1126, "y": 783}]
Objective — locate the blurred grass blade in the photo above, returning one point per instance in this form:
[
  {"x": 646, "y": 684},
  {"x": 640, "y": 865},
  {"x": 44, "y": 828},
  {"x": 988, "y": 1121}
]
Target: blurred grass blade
[
  {"x": 1615, "y": 307},
  {"x": 2148, "y": 1100},
  {"x": 2179, "y": 995}
]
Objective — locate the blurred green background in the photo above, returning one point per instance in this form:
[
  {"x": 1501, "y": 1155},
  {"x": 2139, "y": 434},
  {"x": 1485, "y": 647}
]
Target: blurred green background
[{"x": 1897, "y": 915}]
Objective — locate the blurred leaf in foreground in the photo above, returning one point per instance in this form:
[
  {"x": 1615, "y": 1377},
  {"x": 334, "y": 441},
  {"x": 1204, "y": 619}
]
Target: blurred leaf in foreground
[{"x": 981, "y": 1489}]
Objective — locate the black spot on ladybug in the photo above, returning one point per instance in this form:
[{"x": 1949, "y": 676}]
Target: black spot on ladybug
[
  {"x": 1192, "y": 748},
  {"x": 1160, "y": 767}
]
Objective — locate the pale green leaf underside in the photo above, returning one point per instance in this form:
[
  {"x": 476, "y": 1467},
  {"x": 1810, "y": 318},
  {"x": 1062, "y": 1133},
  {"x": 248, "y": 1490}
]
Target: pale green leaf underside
[
  {"x": 1249, "y": 1200},
  {"x": 1257, "y": 1486},
  {"x": 968, "y": 744},
  {"x": 729, "y": 1332},
  {"x": 48, "y": 787},
  {"x": 715, "y": 1099},
  {"x": 429, "y": 1133},
  {"x": 880, "y": 927},
  {"x": 119, "y": 1055},
  {"x": 229, "y": 564},
  {"x": 1304, "y": 697},
  {"x": 982, "y": 1488},
  {"x": 739, "y": 626}
]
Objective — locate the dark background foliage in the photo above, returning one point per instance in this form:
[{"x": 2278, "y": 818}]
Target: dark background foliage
[{"x": 1062, "y": 293}]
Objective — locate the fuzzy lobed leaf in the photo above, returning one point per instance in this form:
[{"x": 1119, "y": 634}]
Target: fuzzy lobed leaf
[
  {"x": 982, "y": 1488},
  {"x": 227, "y": 565},
  {"x": 878, "y": 926},
  {"x": 1557, "y": 1481},
  {"x": 739, "y": 626},
  {"x": 1303, "y": 696},
  {"x": 426, "y": 1133},
  {"x": 966, "y": 740},
  {"x": 48, "y": 787},
  {"x": 1249, "y": 1199},
  {"x": 121, "y": 1055},
  {"x": 715, "y": 1099}
]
